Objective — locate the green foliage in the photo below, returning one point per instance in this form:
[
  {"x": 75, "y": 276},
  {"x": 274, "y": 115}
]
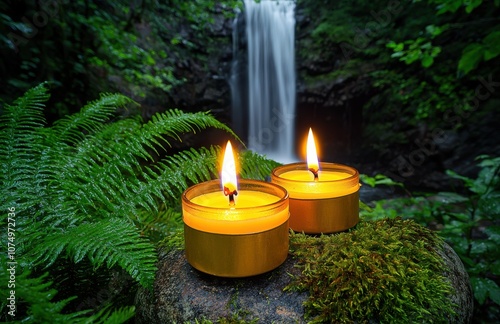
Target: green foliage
[
  {"x": 436, "y": 94},
  {"x": 39, "y": 294},
  {"x": 467, "y": 221},
  {"x": 420, "y": 49},
  {"x": 129, "y": 251},
  {"x": 255, "y": 166},
  {"x": 121, "y": 53},
  {"x": 378, "y": 179},
  {"x": 387, "y": 270},
  {"x": 121, "y": 315},
  {"x": 452, "y": 6},
  {"x": 409, "y": 55},
  {"x": 474, "y": 231},
  {"x": 417, "y": 61},
  {"x": 472, "y": 53},
  {"x": 87, "y": 47},
  {"x": 346, "y": 28},
  {"x": 475, "y": 53},
  {"x": 94, "y": 190}
]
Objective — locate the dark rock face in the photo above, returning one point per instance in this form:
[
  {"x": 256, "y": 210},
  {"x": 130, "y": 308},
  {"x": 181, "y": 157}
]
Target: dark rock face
[
  {"x": 182, "y": 294},
  {"x": 329, "y": 98},
  {"x": 201, "y": 61}
]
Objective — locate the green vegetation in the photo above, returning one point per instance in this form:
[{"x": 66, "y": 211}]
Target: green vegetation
[
  {"x": 82, "y": 45},
  {"x": 89, "y": 199},
  {"x": 468, "y": 221},
  {"x": 425, "y": 59},
  {"x": 386, "y": 270},
  {"x": 95, "y": 190}
]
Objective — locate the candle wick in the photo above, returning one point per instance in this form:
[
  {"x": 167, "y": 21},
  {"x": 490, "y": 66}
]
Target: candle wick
[
  {"x": 231, "y": 194},
  {"x": 315, "y": 173},
  {"x": 231, "y": 200}
]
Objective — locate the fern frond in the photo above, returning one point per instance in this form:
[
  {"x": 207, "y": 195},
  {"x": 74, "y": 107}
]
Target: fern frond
[
  {"x": 37, "y": 294},
  {"x": 107, "y": 316},
  {"x": 172, "y": 122},
  {"x": 166, "y": 179},
  {"x": 20, "y": 138},
  {"x": 109, "y": 241},
  {"x": 194, "y": 165},
  {"x": 104, "y": 169},
  {"x": 256, "y": 166},
  {"x": 90, "y": 118},
  {"x": 26, "y": 113},
  {"x": 157, "y": 226},
  {"x": 108, "y": 171},
  {"x": 172, "y": 175}
]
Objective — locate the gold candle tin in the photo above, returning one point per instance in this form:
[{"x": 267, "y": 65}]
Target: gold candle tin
[
  {"x": 253, "y": 242},
  {"x": 321, "y": 206}
]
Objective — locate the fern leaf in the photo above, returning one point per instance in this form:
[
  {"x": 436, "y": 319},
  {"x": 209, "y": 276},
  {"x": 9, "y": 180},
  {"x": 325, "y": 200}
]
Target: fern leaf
[
  {"x": 157, "y": 226},
  {"x": 107, "y": 316},
  {"x": 20, "y": 138},
  {"x": 110, "y": 172},
  {"x": 37, "y": 295},
  {"x": 110, "y": 241},
  {"x": 173, "y": 174},
  {"x": 163, "y": 181},
  {"x": 256, "y": 166},
  {"x": 77, "y": 185},
  {"x": 172, "y": 122},
  {"x": 90, "y": 118}
]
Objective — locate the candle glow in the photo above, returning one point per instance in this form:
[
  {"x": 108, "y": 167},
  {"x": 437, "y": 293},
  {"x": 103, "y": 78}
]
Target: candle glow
[
  {"x": 324, "y": 196},
  {"x": 206, "y": 207},
  {"x": 312, "y": 155},
  {"x": 228, "y": 175}
]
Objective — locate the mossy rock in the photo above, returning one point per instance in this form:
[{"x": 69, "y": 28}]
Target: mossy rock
[
  {"x": 383, "y": 271},
  {"x": 389, "y": 271}
]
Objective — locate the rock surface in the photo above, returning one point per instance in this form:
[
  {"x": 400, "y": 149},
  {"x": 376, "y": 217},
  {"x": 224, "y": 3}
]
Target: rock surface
[
  {"x": 182, "y": 294},
  {"x": 463, "y": 297}
]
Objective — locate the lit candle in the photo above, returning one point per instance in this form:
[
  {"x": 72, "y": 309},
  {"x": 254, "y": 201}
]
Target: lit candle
[
  {"x": 235, "y": 229},
  {"x": 324, "y": 197}
]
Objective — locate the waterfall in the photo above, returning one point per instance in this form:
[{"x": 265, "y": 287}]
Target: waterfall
[{"x": 269, "y": 109}]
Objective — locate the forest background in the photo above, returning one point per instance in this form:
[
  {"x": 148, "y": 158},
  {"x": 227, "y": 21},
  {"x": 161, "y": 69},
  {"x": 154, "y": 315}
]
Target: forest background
[{"x": 410, "y": 87}]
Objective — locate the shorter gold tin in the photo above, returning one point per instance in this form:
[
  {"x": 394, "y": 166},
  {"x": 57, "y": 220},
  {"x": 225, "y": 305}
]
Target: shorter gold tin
[
  {"x": 323, "y": 206},
  {"x": 314, "y": 216}
]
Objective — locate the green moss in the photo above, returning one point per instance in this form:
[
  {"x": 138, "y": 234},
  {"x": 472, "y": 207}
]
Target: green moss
[
  {"x": 387, "y": 270},
  {"x": 173, "y": 241}
]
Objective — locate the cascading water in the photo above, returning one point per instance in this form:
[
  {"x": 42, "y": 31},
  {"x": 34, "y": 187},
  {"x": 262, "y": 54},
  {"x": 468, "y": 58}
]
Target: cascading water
[{"x": 270, "y": 80}]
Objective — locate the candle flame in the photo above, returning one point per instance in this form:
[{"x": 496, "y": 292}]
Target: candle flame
[
  {"x": 228, "y": 174},
  {"x": 312, "y": 155}
]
